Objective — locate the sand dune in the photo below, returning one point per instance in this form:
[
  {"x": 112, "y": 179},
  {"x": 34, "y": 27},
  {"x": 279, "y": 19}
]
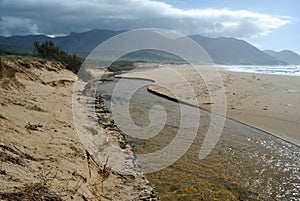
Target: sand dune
[{"x": 46, "y": 160}]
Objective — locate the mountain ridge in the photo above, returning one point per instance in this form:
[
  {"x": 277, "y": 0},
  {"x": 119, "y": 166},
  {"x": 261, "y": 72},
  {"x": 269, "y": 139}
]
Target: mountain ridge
[
  {"x": 229, "y": 51},
  {"x": 223, "y": 50},
  {"x": 288, "y": 56}
]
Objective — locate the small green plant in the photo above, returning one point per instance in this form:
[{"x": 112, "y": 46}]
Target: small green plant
[{"x": 33, "y": 126}]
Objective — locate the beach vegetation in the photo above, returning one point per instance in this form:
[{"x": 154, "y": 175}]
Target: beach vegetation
[
  {"x": 49, "y": 50},
  {"x": 31, "y": 126}
]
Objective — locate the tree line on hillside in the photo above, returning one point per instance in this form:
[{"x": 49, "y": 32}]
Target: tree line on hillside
[{"x": 48, "y": 50}]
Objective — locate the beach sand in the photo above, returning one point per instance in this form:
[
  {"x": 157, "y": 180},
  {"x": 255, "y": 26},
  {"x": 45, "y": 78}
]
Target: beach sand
[
  {"x": 50, "y": 162},
  {"x": 267, "y": 102}
]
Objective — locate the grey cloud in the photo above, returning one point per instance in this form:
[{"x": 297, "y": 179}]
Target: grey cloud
[
  {"x": 18, "y": 26},
  {"x": 58, "y": 16}
]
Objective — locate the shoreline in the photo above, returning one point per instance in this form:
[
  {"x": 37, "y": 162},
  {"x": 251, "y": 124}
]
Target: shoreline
[
  {"x": 175, "y": 100},
  {"x": 158, "y": 93},
  {"x": 239, "y": 114},
  {"x": 148, "y": 191},
  {"x": 106, "y": 143}
]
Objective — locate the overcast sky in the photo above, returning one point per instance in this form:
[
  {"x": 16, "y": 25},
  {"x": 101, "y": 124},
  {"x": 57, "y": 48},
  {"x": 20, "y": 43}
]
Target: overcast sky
[{"x": 267, "y": 24}]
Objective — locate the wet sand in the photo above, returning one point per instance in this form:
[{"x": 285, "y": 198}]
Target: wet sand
[{"x": 268, "y": 102}]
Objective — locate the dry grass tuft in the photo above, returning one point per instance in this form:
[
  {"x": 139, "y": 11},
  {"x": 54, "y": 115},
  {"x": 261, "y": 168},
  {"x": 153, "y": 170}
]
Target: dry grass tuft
[{"x": 103, "y": 173}]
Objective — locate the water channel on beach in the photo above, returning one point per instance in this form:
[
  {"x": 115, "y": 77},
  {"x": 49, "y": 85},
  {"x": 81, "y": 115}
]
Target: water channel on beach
[{"x": 246, "y": 164}]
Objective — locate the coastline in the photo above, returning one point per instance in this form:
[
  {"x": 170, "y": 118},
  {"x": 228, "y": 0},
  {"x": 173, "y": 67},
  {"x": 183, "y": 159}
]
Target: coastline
[
  {"x": 266, "y": 102},
  {"x": 39, "y": 91}
]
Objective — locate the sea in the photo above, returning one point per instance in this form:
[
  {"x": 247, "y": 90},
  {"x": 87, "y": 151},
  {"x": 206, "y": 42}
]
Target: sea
[{"x": 291, "y": 70}]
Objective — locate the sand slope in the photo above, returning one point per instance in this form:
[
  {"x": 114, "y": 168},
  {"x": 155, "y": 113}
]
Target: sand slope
[{"x": 51, "y": 160}]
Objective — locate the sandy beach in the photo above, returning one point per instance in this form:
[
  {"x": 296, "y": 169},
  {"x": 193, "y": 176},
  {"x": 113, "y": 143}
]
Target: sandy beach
[
  {"x": 266, "y": 102},
  {"x": 52, "y": 161},
  {"x": 41, "y": 156}
]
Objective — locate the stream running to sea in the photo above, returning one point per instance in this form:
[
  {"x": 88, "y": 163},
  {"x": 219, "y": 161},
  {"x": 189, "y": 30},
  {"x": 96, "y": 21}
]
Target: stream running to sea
[{"x": 246, "y": 164}]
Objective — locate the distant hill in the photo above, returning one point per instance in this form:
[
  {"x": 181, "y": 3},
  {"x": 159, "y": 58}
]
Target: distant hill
[
  {"x": 233, "y": 51},
  {"x": 286, "y": 55},
  {"x": 21, "y": 44},
  {"x": 228, "y": 51},
  {"x": 79, "y": 43}
]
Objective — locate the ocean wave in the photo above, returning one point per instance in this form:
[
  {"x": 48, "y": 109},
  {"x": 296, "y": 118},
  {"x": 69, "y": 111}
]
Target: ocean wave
[{"x": 278, "y": 70}]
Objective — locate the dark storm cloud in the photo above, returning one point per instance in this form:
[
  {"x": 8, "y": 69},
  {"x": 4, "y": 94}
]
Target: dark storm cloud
[{"x": 53, "y": 17}]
